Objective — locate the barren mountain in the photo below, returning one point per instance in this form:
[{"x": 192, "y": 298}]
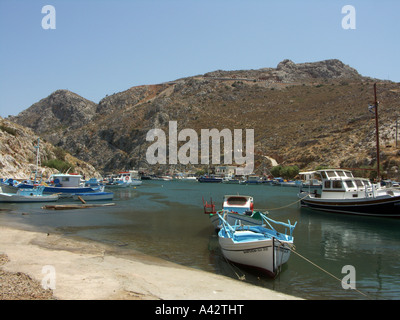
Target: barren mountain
[{"x": 307, "y": 114}]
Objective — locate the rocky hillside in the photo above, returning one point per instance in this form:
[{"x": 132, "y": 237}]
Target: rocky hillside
[
  {"x": 18, "y": 154},
  {"x": 308, "y": 114}
]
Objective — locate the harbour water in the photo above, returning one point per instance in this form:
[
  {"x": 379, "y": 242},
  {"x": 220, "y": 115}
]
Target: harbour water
[{"x": 165, "y": 219}]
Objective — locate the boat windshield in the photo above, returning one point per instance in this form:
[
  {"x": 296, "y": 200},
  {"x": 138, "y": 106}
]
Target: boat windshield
[
  {"x": 237, "y": 201},
  {"x": 341, "y": 174},
  {"x": 359, "y": 183},
  {"x": 349, "y": 184},
  {"x": 331, "y": 174}
]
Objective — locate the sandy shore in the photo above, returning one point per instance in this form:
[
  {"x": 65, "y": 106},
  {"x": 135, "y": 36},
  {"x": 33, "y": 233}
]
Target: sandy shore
[{"x": 88, "y": 271}]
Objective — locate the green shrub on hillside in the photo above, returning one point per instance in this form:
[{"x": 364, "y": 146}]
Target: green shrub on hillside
[{"x": 60, "y": 165}]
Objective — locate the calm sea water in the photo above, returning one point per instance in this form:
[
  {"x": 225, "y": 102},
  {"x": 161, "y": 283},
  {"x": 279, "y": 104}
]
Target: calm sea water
[{"x": 165, "y": 219}]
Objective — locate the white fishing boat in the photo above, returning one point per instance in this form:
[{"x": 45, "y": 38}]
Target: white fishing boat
[
  {"x": 341, "y": 192},
  {"x": 229, "y": 179},
  {"x": 27, "y": 195},
  {"x": 235, "y": 207},
  {"x": 125, "y": 179},
  {"x": 262, "y": 248},
  {"x": 253, "y": 179}
]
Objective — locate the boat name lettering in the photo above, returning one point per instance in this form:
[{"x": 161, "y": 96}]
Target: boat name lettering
[{"x": 255, "y": 250}]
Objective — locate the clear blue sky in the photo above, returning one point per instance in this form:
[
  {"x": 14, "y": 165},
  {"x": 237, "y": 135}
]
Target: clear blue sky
[{"x": 102, "y": 46}]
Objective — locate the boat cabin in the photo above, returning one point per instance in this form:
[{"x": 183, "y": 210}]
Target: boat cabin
[
  {"x": 66, "y": 180},
  {"x": 238, "y": 204},
  {"x": 338, "y": 183}
]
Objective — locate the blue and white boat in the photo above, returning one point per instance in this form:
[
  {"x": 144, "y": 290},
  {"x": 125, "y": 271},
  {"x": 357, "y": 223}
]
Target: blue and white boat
[
  {"x": 94, "y": 196},
  {"x": 124, "y": 179},
  {"x": 64, "y": 184},
  {"x": 27, "y": 195},
  {"x": 262, "y": 248}
]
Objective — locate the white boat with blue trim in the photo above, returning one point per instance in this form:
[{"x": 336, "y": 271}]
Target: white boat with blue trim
[
  {"x": 27, "y": 195},
  {"x": 262, "y": 248}
]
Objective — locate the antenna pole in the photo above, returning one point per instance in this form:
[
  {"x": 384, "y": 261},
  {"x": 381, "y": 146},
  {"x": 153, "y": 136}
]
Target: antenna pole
[{"x": 377, "y": 136}]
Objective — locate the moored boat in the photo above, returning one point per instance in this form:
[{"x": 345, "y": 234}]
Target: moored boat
[
  {"x": 64, "y": 184},
  {"x": 341, "y": 192},
  {"x": 27, "y": 195},
  {"x": 94, "y": 196},
  {"x": 262, "y": 248},
  {"x": 212, "y": 179},
  {"x": 124, "y": 179},
  {"x": 236, "y": 207}
]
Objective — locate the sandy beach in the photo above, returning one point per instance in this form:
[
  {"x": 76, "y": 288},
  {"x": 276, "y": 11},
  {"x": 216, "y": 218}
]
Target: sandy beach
[{"x": 76, "y": 270}]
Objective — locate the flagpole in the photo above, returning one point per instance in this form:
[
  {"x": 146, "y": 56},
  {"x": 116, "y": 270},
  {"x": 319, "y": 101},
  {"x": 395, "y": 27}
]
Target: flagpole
[{"x": 377, "y": 136}]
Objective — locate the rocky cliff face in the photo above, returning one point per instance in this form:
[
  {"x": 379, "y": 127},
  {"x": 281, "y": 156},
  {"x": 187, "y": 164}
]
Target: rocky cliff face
[
  {"x": 307, "y": 114},
  {"x": 18, "y": 154}
]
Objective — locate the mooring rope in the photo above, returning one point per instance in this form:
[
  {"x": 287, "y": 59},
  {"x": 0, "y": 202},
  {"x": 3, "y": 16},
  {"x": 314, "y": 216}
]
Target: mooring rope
[
  {"x": 327, "y": 272},
  {"x": 290, "y": 204},
  {"x": 242, "y": 277}
]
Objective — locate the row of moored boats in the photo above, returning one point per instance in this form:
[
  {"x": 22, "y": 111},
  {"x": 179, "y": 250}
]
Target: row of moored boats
[{"x": 70, "y": 186}]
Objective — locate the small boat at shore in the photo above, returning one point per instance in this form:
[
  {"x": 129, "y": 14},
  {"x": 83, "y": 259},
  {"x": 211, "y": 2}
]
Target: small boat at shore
[
  {"x": 341, "y": 192},
  {"x": 27, "y": 195},
  {"x": 63, "y": 184},
  {"x": 236, "y": 207},
  {"x": 262, "y": 248}
]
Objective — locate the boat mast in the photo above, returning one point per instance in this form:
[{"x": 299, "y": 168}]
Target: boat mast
[
  {"x": 377, "y": 136},
  {"x": 37, "y": 159}
]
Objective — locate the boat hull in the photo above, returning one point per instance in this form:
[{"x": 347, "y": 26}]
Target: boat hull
[
  {"x": 94, "y": 196},
  {"x": 62, "y": 190},
  {"x": 264, "y": 255},
  {"x": 15, "y": 198},
  {"x": 386, "y": 206},
  {"x": 210, "y": 180}
]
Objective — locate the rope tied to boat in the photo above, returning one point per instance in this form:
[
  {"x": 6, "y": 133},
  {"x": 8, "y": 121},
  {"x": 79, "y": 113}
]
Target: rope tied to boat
[
  {"x": 293, "y": 249},
  {"x": 290, "y": 204}
]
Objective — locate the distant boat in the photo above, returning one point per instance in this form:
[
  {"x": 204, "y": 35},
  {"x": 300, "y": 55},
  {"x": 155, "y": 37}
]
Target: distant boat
[
  {"x": 210, "y": 179},
  {"x": 291, "y": 183},
  {"x": 341, "y": 192},
  {"x": 231, "y": 180},
  {"x": 94, "y": 196},
  {"x": 253, "y": 179},
  {"x": 236, "y": 207},
  {"x": 27, "y": 195},
  {"x": 262, "y": 248},
  {"x": 124, "y": 179},
  {"x": 189, "y": 178},
  {"x": 165, "y": 178},
  {"x": 93, "y": 182}
]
